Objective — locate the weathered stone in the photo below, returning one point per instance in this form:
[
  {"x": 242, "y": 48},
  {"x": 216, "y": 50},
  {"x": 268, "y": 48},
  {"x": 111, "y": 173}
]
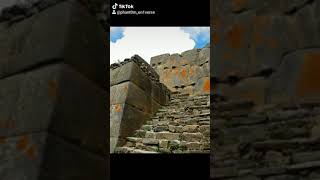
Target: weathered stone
[
  {"x": 273, "y": 158},
  {"x": 140, "y": 133},
  {"x": 37, "y": 47},
  {"x": 191, "y": 137},
  {"x": 65, "y": 160},
  {"x": 163, "y": 144},
  {"x": 146, "y": 127},
  {"x": 296, "y": 77},
  {"x": 167, "y": 135},
  {"x": 190, "y": 128},
  {"x": 150, "y": 141},
  {"x": 134, "y": 139},
  {"x": 306, "y": 156},
  {"x": 160, "y": 128},
  {"x": 150, "y": 134}
]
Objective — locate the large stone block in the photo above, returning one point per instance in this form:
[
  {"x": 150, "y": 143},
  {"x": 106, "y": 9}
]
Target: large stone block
[
  {"x": 268, "y": 43},
  {"x": 202, "y": 86},
  {"x": 80, "y": 120},
  {"x": 63, "y": 160},
  {"x": 192, "y": 56},
  {"x": 158, "y": 60},
  {"x": 138, "y": 98},
  {"x": 297, "y": 77},
  {"x": 48, "y": 98},
  {"x": 133, "y": 95},
  {"x": 21, "y": 156},
  {"x": 253, "y": 89},
  {"x": 119, "y": 93},
  {"x": 76, "y": 37},
  {"x": 130, "y": 72},
  {"x": 124, "y": 122},
  {"x": 28, "y": 101},
  {"x": 116, "y": 114},
  {"x": 231, "y": 50}
]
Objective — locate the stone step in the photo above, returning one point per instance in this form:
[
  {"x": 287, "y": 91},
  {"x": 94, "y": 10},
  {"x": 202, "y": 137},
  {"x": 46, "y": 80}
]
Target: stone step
[
  {"x": 133, "y": 150},
  {"x": 182, "y": 126},
  {"x": 170, "y": 146}
]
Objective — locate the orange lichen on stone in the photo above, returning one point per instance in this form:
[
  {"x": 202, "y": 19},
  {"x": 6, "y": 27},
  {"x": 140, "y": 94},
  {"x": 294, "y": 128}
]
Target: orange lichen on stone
[
  {"x": 184, "y": 73},
  {"x": 227, "y": 56},
  {"x": 117, "y": 108},
  {"x": 53, "y": 88},
  {"x": 259, "y": 25},
  {"x": 235, "y": 36},
  {"x": 31, "y": 152},
  {"x": 216, "y": 22},
  {"x": 259, "y": 22},
  {"x": 308, "y": 83},
  {"x": 125, "y": 89},
  {"x": 10, "y": 124},
  {"x": 176, "y": 71},
  {"x": 272, "y": 43},
  {"x": 3, "y": 140},
  {"x": 191, "y": 71},
  {"x": 215, "y": 37},
  {"x": 23, "y": 143},
  {"x": 206, "y": 86},
  {"x": 238, "y": 4}
]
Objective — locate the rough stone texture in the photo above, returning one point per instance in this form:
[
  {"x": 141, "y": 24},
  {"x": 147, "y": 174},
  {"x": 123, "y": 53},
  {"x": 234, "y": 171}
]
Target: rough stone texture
[
  {"x": 153, "y": 123},
  {"x": 17, "y": 10},
  {"x": 187, "y": 72},
  {"x": 266, "y": 90},
  {"x": 52, "y": 91},
  {"x": 21, "y": 156},
  {"x": 182, "y": 126},
  {"x": 37, "y": 40},
  {"x": 135, "y": 95}
]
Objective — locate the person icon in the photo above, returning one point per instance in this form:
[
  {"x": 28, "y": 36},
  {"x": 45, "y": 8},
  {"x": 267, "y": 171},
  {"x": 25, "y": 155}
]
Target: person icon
[{"x": 114, "y": 12}]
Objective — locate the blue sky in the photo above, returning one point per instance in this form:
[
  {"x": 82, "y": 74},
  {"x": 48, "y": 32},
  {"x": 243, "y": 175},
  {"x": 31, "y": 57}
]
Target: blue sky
[
  {"x": 200, "y": 35},
  {"x": 152, "y": 41},
  {"x": 116, "y": 33}
]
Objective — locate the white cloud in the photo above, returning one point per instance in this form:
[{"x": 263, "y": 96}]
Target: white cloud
[
  {"x": 150, "y": 41},
  {"x": 201, "y": 35}
]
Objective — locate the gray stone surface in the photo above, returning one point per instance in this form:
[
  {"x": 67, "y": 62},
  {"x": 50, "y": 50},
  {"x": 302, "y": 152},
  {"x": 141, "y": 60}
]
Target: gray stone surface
[
  {"x": 48, "y": 99},
  {"x": 39, "y": 41},
  {"x": 21, "y": 156},
  {"x": 265, "y": 72},
  {"x": 184, "y": 72},
  {"x": 136, "y": 94},
  {"x": 180, "y": 127},
  {"x": 63, "y": 160}
]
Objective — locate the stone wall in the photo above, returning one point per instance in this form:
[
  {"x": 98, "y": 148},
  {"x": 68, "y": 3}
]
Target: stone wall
[
  {"x": 17, "y": 10},
  {"x": 187, "y": 72},
  {"x": 53, "y": 113},
  {"x": 135, "y": 95},
  {"x": 266, "y": 89}
]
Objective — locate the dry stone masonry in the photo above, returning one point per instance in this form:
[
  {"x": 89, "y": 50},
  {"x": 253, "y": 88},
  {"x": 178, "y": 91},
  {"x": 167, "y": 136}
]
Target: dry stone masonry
[
  {"x": 52, "y": 92},
  {"x": 182, "y": 126},
  {"x": 179, "y": 122},
  {"x": 187, "y": 72},
  {"x": 266, "y": 90},
  {"x": 135, "y": 94}
]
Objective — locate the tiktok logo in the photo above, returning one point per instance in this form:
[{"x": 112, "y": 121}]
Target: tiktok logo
[{"x": 114, "y": 7}]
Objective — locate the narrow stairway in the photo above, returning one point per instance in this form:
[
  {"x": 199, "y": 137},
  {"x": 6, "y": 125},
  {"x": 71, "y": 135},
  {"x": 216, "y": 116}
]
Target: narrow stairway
[{"x": 182, "y": 126}]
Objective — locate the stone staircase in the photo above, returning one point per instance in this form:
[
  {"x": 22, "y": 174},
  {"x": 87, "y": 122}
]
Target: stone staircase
[{"x": 182, "y": 126}]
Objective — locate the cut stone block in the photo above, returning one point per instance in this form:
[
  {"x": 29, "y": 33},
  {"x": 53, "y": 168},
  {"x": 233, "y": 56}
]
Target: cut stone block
[
  {"x": 63, "y": 160},
  {"x": 76, "y": 38},
  {"x": 48, "y": 99}
]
